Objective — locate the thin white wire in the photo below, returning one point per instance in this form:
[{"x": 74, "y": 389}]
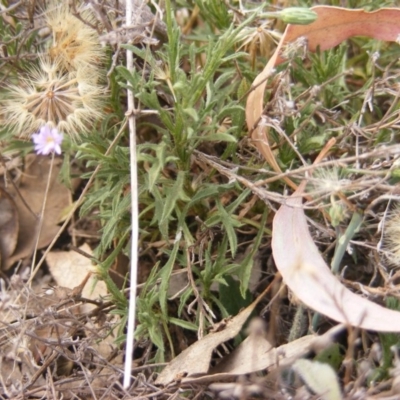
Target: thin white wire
[{"x": 135, "y": 215}]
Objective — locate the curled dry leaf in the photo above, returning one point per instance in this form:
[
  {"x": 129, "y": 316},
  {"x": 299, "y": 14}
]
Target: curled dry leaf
[
  {"x": 255, "y": 353},
  {"x": 248, "y": 358},
  {"x": 195, "y": 360},
  {"x": 9, "y": 225},
  {"x": 305, "y": 272}
]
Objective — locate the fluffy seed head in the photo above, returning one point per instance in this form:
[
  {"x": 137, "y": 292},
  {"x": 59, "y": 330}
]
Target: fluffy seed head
[
  {"x": 329, "y": 181},
  {"x": 74, "y": 43},
  {"x": 68, "y": 101},
  {"x": 391, "y": 238}
]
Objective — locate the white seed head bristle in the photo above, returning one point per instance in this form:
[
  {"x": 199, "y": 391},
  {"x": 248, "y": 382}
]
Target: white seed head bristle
[
  {"x": 391, "y": 238},
  {"x": 329, "y": 181},
  {"x": 74, "y": 43}
]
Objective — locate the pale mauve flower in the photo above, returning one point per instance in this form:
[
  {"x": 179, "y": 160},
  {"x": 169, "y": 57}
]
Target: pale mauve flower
[{"x": 47, "y": 141}]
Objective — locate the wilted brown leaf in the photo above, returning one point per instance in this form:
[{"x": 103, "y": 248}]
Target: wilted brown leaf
[
  {"x": 32, "y": 188},
  {"x": 69, "y": 269},
  {"x": 256, "y": 354},
  {"x": 196, "y": 359},
  {"x": 9, "y": 225},
  {"x": 336, "y": 24}
]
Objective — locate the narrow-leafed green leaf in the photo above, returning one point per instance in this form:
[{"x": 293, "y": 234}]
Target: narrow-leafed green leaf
[
  {"x": 209, "y": 191},
  {"x": 126, "y": 75},
  {"x": 165, "y": 275},
  {"x": 156, "y": 336},
  {"x": 173, "y": 194},
  {"x": 157, "y": 166},
  {"x": 144, "y": 54},
  {"x": 244, "y": 271},
  {"x": 192, "y": 113},
  {"x": 229, "y": 225},
  {"x": 183, "y": 324},
  {"x": 239, "y": 200},
  {"x": 217, "y": 137}
]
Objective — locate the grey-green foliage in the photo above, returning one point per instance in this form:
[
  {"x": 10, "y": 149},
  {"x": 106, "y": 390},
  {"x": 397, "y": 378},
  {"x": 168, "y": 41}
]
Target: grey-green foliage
[
  {"x": 189, "y": 211},
  {"x": 215, "y": 12},
  {"x": 191, "y": 216}
]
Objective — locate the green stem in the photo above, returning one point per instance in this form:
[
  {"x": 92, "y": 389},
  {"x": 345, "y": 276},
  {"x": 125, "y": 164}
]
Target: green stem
[{"x": 341, "y": 246}]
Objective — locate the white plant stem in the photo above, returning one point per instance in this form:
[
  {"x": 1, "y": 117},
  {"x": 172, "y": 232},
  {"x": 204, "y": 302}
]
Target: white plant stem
[{"x": 135, "y": 215}]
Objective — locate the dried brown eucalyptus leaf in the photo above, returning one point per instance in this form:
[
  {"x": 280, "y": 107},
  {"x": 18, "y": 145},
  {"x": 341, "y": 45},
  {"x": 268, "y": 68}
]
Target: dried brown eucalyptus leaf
[
  {"x": 69, "y": 269},
  {"x": 255, "y": 353},
  {"x": 195, "y": 360},
  {"x": 305, "y": 272},
  {"x": 32, "y": 188},
  {"x": 9, "y": 225}
]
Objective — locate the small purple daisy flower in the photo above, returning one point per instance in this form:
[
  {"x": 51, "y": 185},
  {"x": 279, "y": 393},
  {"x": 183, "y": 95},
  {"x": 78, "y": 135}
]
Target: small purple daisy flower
[{"x": 47, "y": 141}]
